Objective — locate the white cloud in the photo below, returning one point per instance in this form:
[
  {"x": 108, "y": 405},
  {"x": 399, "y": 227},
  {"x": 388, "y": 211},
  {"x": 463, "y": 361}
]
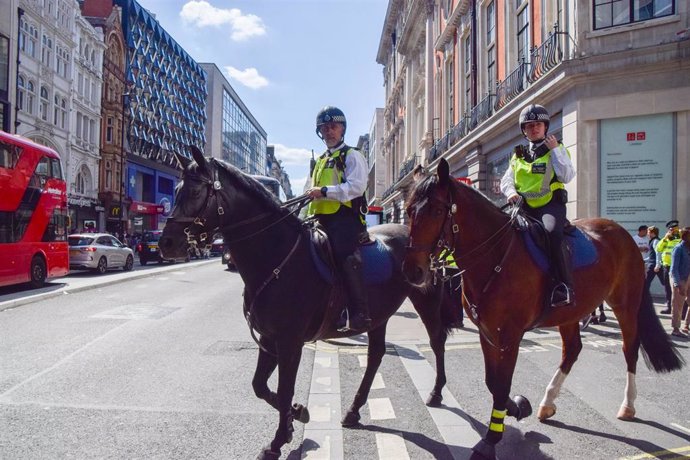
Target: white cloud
[
  {"x": 248, "y": 77},
  {"x": 203, "y": 14},
  {"x": 292, "y": 156}
]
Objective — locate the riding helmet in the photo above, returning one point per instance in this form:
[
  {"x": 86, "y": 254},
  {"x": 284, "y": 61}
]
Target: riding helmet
[
  {"x": 534, "y": 112},
  {"x": 329, "y": 114}
]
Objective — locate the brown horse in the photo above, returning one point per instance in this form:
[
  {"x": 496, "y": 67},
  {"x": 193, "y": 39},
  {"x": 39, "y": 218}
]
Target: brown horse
[{"x": 504, "y": 290}]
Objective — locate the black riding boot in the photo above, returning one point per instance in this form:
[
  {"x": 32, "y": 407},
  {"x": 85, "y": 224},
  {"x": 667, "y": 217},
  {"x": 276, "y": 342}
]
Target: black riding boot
[
  {"x": 358, "y": 308},
  {"x": 563, "y": 293}
]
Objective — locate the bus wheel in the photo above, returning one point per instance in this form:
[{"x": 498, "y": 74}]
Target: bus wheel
[
  {"x": 102, "y": 265},
  {"x": 38, "y": 272}
]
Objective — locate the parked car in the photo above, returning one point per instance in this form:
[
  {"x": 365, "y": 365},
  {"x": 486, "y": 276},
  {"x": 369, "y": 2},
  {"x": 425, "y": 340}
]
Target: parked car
[
  {"x": 98, "y": 251},
  {"x": 217, "y": 247},
  {"x": 148, "y": 249}
]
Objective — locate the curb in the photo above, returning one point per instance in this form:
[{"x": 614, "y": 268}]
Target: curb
[{"x": 97, "y": 282}]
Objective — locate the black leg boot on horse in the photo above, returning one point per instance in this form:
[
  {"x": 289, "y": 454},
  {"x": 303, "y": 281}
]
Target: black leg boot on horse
[
  {"x": 563, "y": 293},
  {"x": 358, "y": 308}
]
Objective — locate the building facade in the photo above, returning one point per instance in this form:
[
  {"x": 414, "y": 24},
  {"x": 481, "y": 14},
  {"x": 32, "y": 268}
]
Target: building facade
[
  {"x": 232, "y": 132},
  {"x": 613, "y": 77},
  {"x": 9, "y": 33}
]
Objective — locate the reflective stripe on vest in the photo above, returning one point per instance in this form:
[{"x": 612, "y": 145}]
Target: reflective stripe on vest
[
  {"x": 327, "y": 173},
  {"x": 537, "y": 188}
]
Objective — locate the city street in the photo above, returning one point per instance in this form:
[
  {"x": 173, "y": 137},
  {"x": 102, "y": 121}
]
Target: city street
[{"x": 158, "y": 362}]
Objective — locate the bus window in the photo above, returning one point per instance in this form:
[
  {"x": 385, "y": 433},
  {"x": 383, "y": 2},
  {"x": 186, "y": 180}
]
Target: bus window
[
  {"x": 9, "y": 154},
  {"x": 56, "y": 168},
  {"x": 43, "y": 167}
]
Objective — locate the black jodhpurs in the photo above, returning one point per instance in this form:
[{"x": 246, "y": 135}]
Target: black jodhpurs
[{"x": 343, "y": 229}]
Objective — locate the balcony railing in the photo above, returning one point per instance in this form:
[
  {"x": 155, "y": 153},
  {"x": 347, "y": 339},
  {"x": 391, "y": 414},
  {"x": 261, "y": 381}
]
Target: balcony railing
[
  {"x": 513, "y": 85},
  {"x": 547, "y": 56}
]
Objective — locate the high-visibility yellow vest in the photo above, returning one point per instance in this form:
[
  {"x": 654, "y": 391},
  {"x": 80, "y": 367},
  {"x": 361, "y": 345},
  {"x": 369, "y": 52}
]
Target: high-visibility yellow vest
[
  {"x": 535, "y": 180},
  {"x": 665, "y": 248},
  {"x": 329, "y": 170}
]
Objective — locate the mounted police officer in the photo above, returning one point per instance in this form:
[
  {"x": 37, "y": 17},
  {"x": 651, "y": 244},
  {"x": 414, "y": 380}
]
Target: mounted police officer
[
  {"x": 538, "y": 174},
  {"x": 339, "y": 180}
]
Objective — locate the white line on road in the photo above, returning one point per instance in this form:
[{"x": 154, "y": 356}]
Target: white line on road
[
  {"x": 680, "y": 427},
  {"x": 380, "y": 409},
  {"x": 391, "y": 447}
]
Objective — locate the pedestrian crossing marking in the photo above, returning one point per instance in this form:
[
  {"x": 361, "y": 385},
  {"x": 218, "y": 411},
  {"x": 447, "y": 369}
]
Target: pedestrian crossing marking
[
  {"x": 391, "y": 447},
  {"x": 680, "y": 427},
  {"x": 380, "y": 409},
  {"x": 377, "y": 383},
  {"x": 362, "y": 360},
  {"x": 661, "y": 454}
]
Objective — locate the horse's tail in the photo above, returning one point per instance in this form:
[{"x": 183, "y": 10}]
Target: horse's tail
[{"x": 657, "y": 350}]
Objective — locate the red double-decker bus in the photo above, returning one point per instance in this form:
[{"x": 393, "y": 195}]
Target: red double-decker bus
[{"x": 33, "y": 213}]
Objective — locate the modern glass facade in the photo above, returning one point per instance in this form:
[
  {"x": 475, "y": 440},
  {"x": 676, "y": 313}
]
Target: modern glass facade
[
  {"x": 243, "y": 143},
  {"x": 166, "y": 105}
]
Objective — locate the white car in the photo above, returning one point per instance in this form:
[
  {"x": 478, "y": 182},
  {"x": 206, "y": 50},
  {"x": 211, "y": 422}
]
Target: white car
[{"x": 98, "y": 251}]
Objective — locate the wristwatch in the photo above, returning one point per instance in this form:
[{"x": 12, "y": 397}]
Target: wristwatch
[{"x": 324, "y": 191}]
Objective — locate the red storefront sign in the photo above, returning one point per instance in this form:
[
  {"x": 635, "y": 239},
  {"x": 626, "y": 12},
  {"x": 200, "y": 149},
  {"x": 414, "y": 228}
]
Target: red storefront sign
[{"x": 141, "y": 207}]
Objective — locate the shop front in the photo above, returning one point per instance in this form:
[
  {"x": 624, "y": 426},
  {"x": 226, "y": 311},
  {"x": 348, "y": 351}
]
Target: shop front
[{"x": 84, "y": 214}]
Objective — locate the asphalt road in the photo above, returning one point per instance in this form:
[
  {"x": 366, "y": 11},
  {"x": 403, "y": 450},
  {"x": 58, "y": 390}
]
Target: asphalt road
[{"x": 157, "y": 363}]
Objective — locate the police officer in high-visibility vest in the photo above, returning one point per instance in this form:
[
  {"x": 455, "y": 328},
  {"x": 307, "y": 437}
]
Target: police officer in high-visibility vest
[
  {"x": 663, "y": 259},
  {"x": 538, "y": 174},
  {"x": 339, "y": 180}
]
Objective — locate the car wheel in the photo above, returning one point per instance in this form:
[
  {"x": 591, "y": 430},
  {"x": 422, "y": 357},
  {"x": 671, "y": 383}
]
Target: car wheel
[
  {"x": 102, "y": 265},
  {"x": 38, "y": 272},
  {"x": 129, "y": 264}
]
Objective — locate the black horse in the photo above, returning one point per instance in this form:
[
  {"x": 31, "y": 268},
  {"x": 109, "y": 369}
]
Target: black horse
[{"x": 286, "y": 299}]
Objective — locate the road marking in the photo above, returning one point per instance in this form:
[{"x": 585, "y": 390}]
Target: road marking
[
  {"x": 380, "y": 409},
  {"x": 323, "y": 436},
  {"x": 661, "y": 454},
  {"x": 680, "y": 427},
  {"x": 362, "y": 360},
  {"x": 377, "y": 383},
  {"x": 391, "y": 446},
  {"x": 456, "y": 430}
]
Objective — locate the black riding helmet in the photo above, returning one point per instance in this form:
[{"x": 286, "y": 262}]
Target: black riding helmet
[
  {"x": 330, "y": 114},
  {"x": 534, "y": 112}
]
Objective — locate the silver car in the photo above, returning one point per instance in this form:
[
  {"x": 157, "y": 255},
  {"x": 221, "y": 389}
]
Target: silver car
[{"x": 98, "y": 251}]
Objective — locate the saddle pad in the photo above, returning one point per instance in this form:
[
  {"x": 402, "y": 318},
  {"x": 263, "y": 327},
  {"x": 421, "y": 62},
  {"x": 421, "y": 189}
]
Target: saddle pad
[
  {"x": 581, "y": 247},
  {"x": 377, "y": 261}
]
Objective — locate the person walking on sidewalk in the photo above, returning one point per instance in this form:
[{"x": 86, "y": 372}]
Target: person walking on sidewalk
[
  {"x": 663, "y": 263},
  {"x": 680, "y": 280},
  {"x": 652, "y": 258}
]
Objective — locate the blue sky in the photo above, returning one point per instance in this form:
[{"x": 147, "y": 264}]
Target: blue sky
[{"x": 286, "y": 59}]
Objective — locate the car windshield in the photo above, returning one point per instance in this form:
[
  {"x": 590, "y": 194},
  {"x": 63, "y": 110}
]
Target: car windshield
[{"x": 80, "y": 240}]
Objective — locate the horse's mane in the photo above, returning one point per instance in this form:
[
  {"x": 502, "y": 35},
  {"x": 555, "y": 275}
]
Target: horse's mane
[
  {"x": 425, "y": 188},
  {"x": 251, "y": 185}
]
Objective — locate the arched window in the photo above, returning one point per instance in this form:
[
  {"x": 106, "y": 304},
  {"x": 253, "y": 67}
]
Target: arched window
[
  {"x": 21, "y": 92},
  {"x": 83, "y": 181},
  {"x": 44, "y": 104},
  {"x": 30, "y": 96}
]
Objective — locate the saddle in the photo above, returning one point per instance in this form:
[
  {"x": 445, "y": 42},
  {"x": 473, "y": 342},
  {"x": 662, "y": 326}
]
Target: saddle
[
  {"x": 377, "y": 265},
  {"x": 582, "y": 251}
]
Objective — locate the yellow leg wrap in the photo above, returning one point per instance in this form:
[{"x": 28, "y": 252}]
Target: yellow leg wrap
[
  {"x": 498, "y": 427},
  {"x": 499, "y": 413}
]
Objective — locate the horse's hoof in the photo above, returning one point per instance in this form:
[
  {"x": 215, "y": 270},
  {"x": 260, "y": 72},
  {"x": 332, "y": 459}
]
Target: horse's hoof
[
  {"x": 300, "y": 413},
  {"x": 626, "y": 414},
  {"x": 434, "y": 400},
  {"x": 268, "y": 454},
  {"x": 484, "y": 450},
  {"x": 546, "y": 412},
  {"x": 524, "y": 407},
  {"x": 351, "y": 419}
]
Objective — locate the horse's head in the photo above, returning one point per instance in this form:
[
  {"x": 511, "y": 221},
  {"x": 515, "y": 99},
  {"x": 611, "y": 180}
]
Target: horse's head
[
  {"x": 197, "y": 211},
  {"x": 430, "y": 210}
]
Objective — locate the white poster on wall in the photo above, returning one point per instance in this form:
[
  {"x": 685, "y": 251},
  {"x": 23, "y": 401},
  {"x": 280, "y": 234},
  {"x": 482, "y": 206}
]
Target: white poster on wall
[{"x": 636, "y": 165}]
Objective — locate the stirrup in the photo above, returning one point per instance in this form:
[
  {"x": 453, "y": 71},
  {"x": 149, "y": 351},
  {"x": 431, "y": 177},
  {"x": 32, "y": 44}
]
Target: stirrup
[{"x": 567, "y": 300}]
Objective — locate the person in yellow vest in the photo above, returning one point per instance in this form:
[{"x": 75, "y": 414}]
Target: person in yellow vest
[
  {"x": 538, "y": 174},
  {"x": 663, "y": 259},
  {"x": 338, "y": 182}
]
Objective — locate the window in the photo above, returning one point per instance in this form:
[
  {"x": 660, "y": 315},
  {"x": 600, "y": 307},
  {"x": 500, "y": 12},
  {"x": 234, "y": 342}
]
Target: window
[
  {"x": 30, "y": 96},
  {"x": 56, "y": 110},
  {"x": 80, "y": 183},
  {"x": 609, "y": 13},
  {"x": 63, "y": 113},
  {"x": 109, "y": 130},
  {"x": 4, "y": 64},
  {"x": 490, "y": 23},
  {"x": 9, "y": 155},
  {"x": 47, "y": 51},
  {"x": 450, "y": 77},
  {"x": 523, "y": 39},
  {"x": 468, "y": 73},
  {"x": 21, "y": 92},
  {"x": 45, "y": 104},
  {"x": 491, "y": 70}
]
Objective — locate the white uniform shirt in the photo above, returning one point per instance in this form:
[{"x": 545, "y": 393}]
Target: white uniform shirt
[
  {"x": 355, "y": 176},
  {"x": 562, "y": 167}
]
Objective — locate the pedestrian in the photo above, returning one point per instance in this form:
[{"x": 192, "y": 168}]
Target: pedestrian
[
  {"x": 652, "y": 257},
  {"x": 538, "y": 175},
  {"x": 680, "y": 280},
  {"x": 337, "y": 188},
  {"x": 663, "y": 264},
  {"x": 642, "y": 241}
]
